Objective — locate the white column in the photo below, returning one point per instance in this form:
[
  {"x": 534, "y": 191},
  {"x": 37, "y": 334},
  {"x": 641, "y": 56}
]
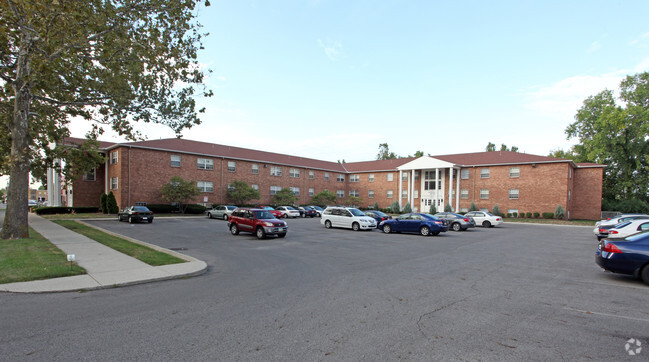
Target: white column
[
  {"x": 450, "y": 187},
  {"x": 53, "y": 186},
  {"x": 457, "y": 194},
  {"x": 437, "y": 190},
  {"x": 400, "y": 190},
  {"x": 412, "y": 189}
]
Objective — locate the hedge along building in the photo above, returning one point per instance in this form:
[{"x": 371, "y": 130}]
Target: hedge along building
[{"x": 517, "y": 182}]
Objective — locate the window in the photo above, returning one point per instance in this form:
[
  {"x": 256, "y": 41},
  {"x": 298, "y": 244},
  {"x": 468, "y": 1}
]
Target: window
[
  {"x": 416, "y": 194},
  {"x": 370, "y": 194},
  {"x": 370, "y": 178},
  {"x": 514, "y": 172},
  {"x": 294, "y": 172},
  {"x": 484, "y": 194},
  {"x": 255, "y": 187},
  {"x": 354, "y": 193},
  {"x": 275, "y": 189},
  {"x": 175, "y": 160},
  {"x": 464, "y": 210},
  {"x": 230, "y": 187},
  {"x": 340, "y": 193},
  {"x": 326, "y": 176},
  {"x": 205, "y": 164},
  {"x": 311, "y": 175},
  {"x": 90, "y": 175},
  {"x": 390, "y": 176},
  {"x": 113, "y": 183},
  {"x": 404, "y": 177},
  {"x": 340, "y": 178},
  {"x": 404, "y": 194},
  {"x": 206, "y": 186},
  {"x": 464, "y": 173},
  {"x": 513, "y": 194},
  {"x": 464, "y": 194},
  {"x": 255, "y": 168},
  {"x": 484, "y": 173},
  {"x": 389, "y": 194},
  {"x": 114, "y": 157},
  {"x": 354, "y": 178},
  {"x": 512, "y": 211},
  {"x": 232, "y": 166},
  {"x": 416, "y": 175},
  {"x": 311, "y": 192},
  {"x": 275, "y": 171},
  {"x": 484, "y": 210},
  {"x": 295, "y": 191}
]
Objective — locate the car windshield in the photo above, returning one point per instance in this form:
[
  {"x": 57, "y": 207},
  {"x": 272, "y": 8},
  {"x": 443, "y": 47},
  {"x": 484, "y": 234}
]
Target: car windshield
[
  {"x": 259, "y": 214},
  {"x": 379, "y": 214},
  {"x": 357, "y": 212},
  {"x": 290, "y": 208},
  {"x": 268, "y": 208},
  {"x": 429, "y": 216},
  {"x": 621, "y": 225},
  {"x": 231, "y": 207},
  {"x": 141, "y": 208}
]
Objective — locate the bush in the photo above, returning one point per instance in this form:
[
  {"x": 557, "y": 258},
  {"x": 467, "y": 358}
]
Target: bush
[
  {"x": 376, "y": 205},
  {"x": 626, "y": 206},
  {"x": 194, "y": 209},
  {"x": 528, "y": 215},
  {"x": 473, "y": 207},
  {"x": 559, "y": 212},
  {"x": 536, "y": 215},
  {"x": 407, "y": 208},
  {"x": 102, "y": 203},
  {"x": 395, "y": 207},
  {"x": 433, "y": 209},
  {"x": 111, "y": 204},
  {"x": 514, "y": 214},
  {"x": 65, "y": 210},
  {"x": 548, "y": 215},
  {"x": 509, "y": 214},
  {"x": 162, "y": 208},
  {"x": 496, "y": 210},
  {"x": 448, "y": 207}
]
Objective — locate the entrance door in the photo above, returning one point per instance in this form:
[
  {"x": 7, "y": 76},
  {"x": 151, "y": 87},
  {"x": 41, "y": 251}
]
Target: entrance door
[{"x": 429, "y": 186}]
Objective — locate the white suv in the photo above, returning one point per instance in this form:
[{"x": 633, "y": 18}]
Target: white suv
[{"x": 347, "y": 217}]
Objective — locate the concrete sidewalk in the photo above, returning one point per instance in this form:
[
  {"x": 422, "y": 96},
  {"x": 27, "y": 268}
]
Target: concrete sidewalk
[{"x": 105, "y": 267}]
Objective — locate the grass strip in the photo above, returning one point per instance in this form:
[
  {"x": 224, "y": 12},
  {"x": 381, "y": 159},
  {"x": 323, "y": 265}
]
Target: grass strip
[
  {"x": 33, "y": 258},
  {"x": 140, "y": 252}
]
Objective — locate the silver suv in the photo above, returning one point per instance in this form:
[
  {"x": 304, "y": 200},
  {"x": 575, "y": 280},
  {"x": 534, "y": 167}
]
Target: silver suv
[{"x": 346, "y": 217}]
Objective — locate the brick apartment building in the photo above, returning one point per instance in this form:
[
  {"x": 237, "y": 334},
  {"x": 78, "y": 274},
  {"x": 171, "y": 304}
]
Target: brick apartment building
[{"x": 517, "y": 182}]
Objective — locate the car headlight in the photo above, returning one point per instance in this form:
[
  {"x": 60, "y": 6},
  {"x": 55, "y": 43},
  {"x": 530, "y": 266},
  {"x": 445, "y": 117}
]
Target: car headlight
[{"x": 266, "y": 223}]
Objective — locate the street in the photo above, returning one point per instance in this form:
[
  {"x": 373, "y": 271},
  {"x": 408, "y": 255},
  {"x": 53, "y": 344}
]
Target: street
[{"x": 517, "y": 292}]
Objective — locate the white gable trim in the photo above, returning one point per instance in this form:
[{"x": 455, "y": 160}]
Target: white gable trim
[{"x": 426, "y": 162}]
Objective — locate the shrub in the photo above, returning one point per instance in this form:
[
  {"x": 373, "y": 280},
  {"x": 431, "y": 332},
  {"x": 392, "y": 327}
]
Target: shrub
[
  {"x": 514, "y": 214},
  {"x": 548, "y": 215},
  {"x": 528, "y": 215},
  {"x": 52, "y": 210},
  {"x": 433, "y": 210},
  {"x": 521, "y": 215},
  {"x": 536, "y": 215},
  {"x": 496, "y": 210},
  {"x": 407, "y": 208},
  {"x": 102, "y": 203},
  {"x": 194, "y": 209},
  {"x": 162, "y": 208},
  {"x": 376, "y": 205},
  {"x": 559, "y": 212},
  {"x": 473, "y": 207},
  {"x": 111, "y": 204},
  {"x": 395, "y": 207},
  {"x": 448, "y": 207}
]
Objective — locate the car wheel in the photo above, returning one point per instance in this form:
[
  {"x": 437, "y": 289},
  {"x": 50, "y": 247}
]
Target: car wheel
[
  {"x": 209, "y": 215},
  {"x": 260, "y": 233},
  {"x": 328, "y": 224},
  {"x": 456, "y": 226},
  {"x": 285, "y": 216},
  {"x": 424, "y": 231},
  {"x": 130, "y": 219},
  {"x": 486, "y": 224},
  {"x": 644, "y": 274},
  {"x": 356, "y": 226},
  {"x": 303, "y": 215},
  {"x": 225, "y": 217},
  {"x": 119, "y": 218},
  {"x": 234, "y": 229},
  {"x": 436, "y": 233},
  {"x": 281, "y": 235},
  {"x": 387, "y": 229}
]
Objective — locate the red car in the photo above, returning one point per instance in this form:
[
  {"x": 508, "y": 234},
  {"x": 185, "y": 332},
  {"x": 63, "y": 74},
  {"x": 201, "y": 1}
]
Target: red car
[
  {"x": 278, "y": 214},
  {"x": 256, "y": 221}
]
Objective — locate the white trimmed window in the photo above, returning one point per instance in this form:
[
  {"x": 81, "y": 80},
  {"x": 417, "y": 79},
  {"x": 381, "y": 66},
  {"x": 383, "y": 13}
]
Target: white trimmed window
[
  {"x": 205, "y": 164},
  {"x": 513, "y": 194},
  {"x": 294, "y": 172},
  {"x": 404, "y": 177},
  {"x": 464, "y": 194},
  {"x": 514, "y": 172},
  {"x": 390, "y": 176},
  {"x": 311, "y": 175},
  {"x": 512, "y": 211},
  {"x": 340, "y": 177},
  {"x": 255, "y": 187},
  {"x": 354, "y": 193},
  {"x": 484, "y": 194},
  {"x": 232, "y": 166},
  {"x": 370, "y": 178},
  {"x": 206, "y": 186},
  {"x": 275, "y": 171},
  {"x": 311, "y": 192},
  {"x": 404, "y": 194},
  {"x": 484, "y": 173},
  {"x": 370, "y": 194},
  {"x": 416, "y": 194},
  {"x": 295, "y": 191},
  {"x": 255, "y": 168},
  {"x": 464, "y": 173},
  {"x": 90, "y": 175},
  {"x": 326, "y": 176},
  {"x": 175, "y": 160},
  {"x": 389, "y": 194},
  {"x": 114, "y": 184},
  {"x": 354, "y": 178},
  {"x": 340, "y": 193},
  {"x": 114, "y": 157},
  {"x": 230, "y": 187},
  {"x": 275, "y": 189}
]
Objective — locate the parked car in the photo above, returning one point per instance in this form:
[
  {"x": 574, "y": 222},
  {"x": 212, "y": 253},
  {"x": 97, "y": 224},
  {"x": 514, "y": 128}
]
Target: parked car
[
  {"x": 456, "y": 222},
  {"x": 289, "y": 211},
  {"x": 424, "y": 224},
  {"x": 307, "y": 211},
  {"x": 135, "y": 214},
  {"x": 278, "y": 214},
  {"x": 32, "y": 203},
  {"x": 318, "y": 209},
  {"x": 220, "y": 211},
  {"x": 486, "y": 219},
  {"x": 376, "y": 215},
  {"x": 624, "y": 229},
  {"x": 625, "y": 256},
  {"x": 347, "y": 217},
  {"x": 260, "y": 222},
  {"x": 603, "y": 225}
]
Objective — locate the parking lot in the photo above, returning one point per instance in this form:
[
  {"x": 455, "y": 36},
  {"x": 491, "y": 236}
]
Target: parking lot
[{"x": 519, "y": 291}]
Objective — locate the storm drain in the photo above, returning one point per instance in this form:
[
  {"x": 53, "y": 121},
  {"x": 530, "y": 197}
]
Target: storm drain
[{"x": 177, "y": 249}]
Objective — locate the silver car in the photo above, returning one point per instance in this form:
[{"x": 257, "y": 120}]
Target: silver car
[
  {"x": 456, "y": 222},
  {"x": 220, "y": 212}
]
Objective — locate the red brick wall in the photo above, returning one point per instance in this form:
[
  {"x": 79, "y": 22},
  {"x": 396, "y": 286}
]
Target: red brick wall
[
  {"x": 587, "y": 194},
  {"x": 88, "y": 193}
]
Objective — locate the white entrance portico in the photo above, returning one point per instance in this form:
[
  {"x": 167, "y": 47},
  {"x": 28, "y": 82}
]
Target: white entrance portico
[{"x": 429, "y": 187}]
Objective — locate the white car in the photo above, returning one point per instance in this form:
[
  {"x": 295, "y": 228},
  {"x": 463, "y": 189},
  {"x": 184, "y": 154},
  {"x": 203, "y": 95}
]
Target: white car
[
  {"x": 611, "y": 222},
  {"x": 628, "y": 228},
  {"x": 347, "y": 217},
  {"x": 288, "y": 211},
  {"x": 220, "y": 212},
  {"x": 484, "y": 218}
]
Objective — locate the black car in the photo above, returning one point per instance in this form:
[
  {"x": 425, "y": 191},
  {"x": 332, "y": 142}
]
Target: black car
[
  {"x": 625, "y": 256},
  {"x": 136, "y": 214},
  {"x": 308, "y": 211},
  {"x": 377, "y": 215}
]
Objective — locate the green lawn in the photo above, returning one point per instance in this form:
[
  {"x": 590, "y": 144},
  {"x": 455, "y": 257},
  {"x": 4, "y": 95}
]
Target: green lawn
[
  {"x": 140, "y": 252},
  {"x": 33, "y": 258}
]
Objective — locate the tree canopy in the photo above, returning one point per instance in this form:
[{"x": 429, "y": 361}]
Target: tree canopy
[
  {"x": 240, "y": 193},
  {"x": 503, "y": 147},
  {"x": 284, "y": 197},
  {"x": 384, "y": 152},
  {"x": 113, "y": 62},
  {"x": 324, "y": 198},
  {"x": 179, "y": 191},
  {"x": 618, "y": 136}
]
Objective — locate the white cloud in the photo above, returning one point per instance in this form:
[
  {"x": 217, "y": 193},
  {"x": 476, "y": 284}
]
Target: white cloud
[
  {"x": 642, "y": 41},
  {"x": 595, "y": 46},
  {"x": 333, "y": 49}
]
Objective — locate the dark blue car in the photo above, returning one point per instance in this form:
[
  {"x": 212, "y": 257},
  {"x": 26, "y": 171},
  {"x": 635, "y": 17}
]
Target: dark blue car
[
  {"x": 424, "y": 224},
  {"x": 626, "y": 256},
  {"x": 376, "y": 215}
]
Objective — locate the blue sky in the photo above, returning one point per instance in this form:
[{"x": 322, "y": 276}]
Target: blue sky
[{"x": 334, "y": 79}]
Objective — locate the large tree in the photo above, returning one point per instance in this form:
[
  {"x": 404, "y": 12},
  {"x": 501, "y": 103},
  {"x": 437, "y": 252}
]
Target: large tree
[
  {"x": 240, "y": 193},
  {"x": 384, "y": 152},
  {"x": 617, "y": 136},
  {"x": 179, "y": 191},
  {"x": 114, "y": 62}
]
